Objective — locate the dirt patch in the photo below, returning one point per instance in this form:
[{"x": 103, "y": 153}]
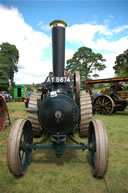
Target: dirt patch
[{"x": 18, "y": 114}]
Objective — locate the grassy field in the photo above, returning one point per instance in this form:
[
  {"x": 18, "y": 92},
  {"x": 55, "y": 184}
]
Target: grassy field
[{"x": 70, "y": 173}]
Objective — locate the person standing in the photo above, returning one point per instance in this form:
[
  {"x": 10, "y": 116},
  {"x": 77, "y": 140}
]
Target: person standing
[{"x": 26, "y": 99}]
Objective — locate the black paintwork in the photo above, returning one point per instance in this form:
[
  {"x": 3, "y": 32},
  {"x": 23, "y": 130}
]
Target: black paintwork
[
  {"x": 63, "y": 103},
  {"x": 58, "y": 49},
  {"x": 69, "y": 114}
]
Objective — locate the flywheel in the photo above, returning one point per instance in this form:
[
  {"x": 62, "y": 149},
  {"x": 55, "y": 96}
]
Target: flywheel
[
  {"x": 86, "y": 113},
  {"x": 33, "y": 116}
]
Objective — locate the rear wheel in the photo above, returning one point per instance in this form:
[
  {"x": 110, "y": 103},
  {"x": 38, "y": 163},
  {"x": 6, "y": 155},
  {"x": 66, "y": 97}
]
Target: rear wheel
[
  {"x": 98, "y": 151},
  {"x": 77, "y": 87},
  {"x": 86, "y": 113},
  {"x": 18, "y": 158},
  {"x": 33, "y": 117}
]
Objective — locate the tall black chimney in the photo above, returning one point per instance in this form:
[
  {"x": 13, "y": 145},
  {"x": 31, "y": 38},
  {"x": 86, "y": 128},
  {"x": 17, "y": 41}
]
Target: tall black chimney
[{"x": 58, "y": 47}]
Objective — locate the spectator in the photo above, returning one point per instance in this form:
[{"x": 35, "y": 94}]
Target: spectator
[
  {"x": 49, "y": 76},
  {"x": 26, "y": 99}
]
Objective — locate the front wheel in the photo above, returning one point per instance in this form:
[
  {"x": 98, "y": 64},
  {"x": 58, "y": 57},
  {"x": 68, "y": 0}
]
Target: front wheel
[
  {"x": 18, "y": 158},
  {"x": 98, "y": 151}
]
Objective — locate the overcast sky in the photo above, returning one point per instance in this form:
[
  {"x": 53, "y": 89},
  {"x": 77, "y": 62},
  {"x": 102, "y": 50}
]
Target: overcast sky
[{"x": 99, "y": 25}]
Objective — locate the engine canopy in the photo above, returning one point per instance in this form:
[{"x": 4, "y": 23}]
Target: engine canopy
[{"x": 58, "y": 115}]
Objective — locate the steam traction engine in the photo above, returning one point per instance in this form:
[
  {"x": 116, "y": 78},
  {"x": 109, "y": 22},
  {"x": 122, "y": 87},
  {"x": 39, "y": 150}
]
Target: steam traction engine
[
  {"x": 55, "y": 114},
  {"x": 111, "y": 99}
]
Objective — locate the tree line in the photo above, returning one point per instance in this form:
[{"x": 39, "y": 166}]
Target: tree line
[{"x": 84, "y": 60}]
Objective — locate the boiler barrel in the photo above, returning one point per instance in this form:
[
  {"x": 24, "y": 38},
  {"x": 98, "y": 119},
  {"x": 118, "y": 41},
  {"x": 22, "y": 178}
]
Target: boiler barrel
[{"x": 58, "y": 47}]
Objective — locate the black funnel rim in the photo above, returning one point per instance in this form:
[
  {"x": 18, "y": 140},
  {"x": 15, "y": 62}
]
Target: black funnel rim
[{"x": 56, "y": 23}]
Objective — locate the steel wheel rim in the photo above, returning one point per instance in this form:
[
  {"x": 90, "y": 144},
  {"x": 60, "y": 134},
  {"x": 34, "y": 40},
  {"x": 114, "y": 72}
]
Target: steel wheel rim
[
  {"x": 98, "y": 155},
  {"x": 18, "y": 158},
  {"x": 104, "y": 105}
]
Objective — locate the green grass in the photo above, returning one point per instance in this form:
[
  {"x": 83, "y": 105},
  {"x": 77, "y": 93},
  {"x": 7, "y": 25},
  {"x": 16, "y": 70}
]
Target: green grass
[{"x": 70, "y": 173}]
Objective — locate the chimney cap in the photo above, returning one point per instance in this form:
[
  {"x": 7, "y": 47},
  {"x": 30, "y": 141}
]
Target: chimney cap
[{"x": 56, "y": 23}]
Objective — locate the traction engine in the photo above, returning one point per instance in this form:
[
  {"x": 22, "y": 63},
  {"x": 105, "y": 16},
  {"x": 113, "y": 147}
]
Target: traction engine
[{"x": 55, "y": 114}]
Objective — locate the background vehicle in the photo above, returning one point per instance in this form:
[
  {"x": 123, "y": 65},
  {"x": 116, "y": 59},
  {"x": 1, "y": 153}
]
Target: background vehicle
[
  {"x": 19, "y": 92},
  {"x": 111, "y": 99}
]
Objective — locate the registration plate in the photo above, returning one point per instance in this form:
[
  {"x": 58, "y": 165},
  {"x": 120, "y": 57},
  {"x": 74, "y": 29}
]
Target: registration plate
[{"x": 58, "y": 79}]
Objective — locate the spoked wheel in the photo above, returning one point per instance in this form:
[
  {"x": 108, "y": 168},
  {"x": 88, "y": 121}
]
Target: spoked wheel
[
  {"x": 85, "y": 113},
  {"x": 3, "y": 113},
  {"x": 98, "y": 151},
  {"x": 77, "y": 87},
  {"x": 104, "y": 105},
  {"x": 33, "y": 117},
  {"x": 18, "y": 158}
]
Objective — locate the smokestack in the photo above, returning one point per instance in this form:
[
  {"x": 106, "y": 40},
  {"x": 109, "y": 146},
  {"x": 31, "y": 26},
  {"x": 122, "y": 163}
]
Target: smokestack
[{"x": 58, "y": 47}]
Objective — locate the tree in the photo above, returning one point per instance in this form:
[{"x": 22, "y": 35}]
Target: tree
[
  {"x": 9, "y": 56},
  {"x": 86, "y": 62},
  {"x": 4, "y": 82},
  {"x": 4, "y": 77},
  {"x": 121, "y": 64}
]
